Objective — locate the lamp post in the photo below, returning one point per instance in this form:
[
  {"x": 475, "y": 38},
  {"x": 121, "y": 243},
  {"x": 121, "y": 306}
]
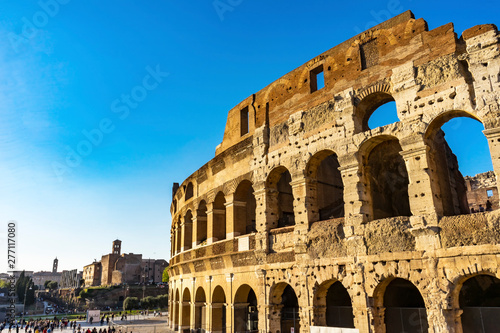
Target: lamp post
[{"x": 28, "y": 285}]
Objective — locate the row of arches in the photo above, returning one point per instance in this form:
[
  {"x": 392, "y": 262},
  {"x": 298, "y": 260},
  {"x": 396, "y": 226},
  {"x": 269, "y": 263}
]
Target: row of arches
[
  {"x": 384, "y": 183},
  {"x": 398, "y": 306}
]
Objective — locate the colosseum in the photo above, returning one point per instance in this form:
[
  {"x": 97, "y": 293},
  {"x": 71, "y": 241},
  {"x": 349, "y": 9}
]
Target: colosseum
[{"x": 308, "y": 220}]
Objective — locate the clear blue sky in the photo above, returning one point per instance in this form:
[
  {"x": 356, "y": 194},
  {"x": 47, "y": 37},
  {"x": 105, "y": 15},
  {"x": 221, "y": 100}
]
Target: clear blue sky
[{"x": 70, "y": 72}]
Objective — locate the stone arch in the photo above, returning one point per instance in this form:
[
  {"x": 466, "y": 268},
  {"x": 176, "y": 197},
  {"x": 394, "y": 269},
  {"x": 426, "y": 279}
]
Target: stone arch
[
  {"x": 400, "y": 306},
  {"x": 246, "y": 316},
  {"x": 333, "y": 306},
  {"x": 176, "y": 314},
  {"x": 368, "y": 101},
  {"x": 451, "y": 191},
  {"x": 278, "y": 182},
  {"x": 219, "y": 217},
  {"x": 201, "y": 223},
  {"x": 200, "y": 309},
  {"x": 244, "y": 209},
  {"x": 323, "y": 167},
  {"x": 178, "y": 235},
  {"x": 386, "y": 177},
  {"x": 174, "y": 204},
  {"x": 218, "y": 310},
  {"x": 286, "y": 304},
  {"x": 188, "y": 230},
  {"x": 478, "y": 298},
  {"x": 186, "y": 309},
  {"x": 189, "y": 191}
]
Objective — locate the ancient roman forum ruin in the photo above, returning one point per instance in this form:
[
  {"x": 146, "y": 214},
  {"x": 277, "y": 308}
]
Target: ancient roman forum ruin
[{"x": 307, "y": 217}]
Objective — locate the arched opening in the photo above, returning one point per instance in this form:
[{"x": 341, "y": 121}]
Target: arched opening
[
  {"x": 189, "y": 191},
  {"x": 333, "y": 307},
  {"x": 458, "y": 148},
  {"x": 219, "y": 310},
  {"x": 188, "y": 230},
  {"x": 176, "y": 309},
  {"x": 279, "y": 179},
  {"x": 290, "y": 310},
  {"x": 375, "y": 110},
  {"x": 200, "y": 313},
  {"x": 479, "y": 300},
  {"x": 201, "y": 224},
  {"x": 246, "y": 316},
  {"x": 175, "y": 205},
  {"x": 186, "y": 310},
  {"x": 178, "y": 235},
  {"x": 244, "y": 209},
  {"x": 324, "y": 167},
  {"x": 387, "y": 179},
  {"x": 384, "y": 115},
  {"x": 404, "y": 308},
  {"x": 219, "y": 217}
]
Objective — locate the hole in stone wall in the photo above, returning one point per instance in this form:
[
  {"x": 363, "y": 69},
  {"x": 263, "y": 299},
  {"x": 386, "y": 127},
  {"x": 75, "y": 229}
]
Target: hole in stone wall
[
  {"x": 384, "y": 115},
  {"x": 459, "y": 152},
  {"x": 317, "y": 79}
]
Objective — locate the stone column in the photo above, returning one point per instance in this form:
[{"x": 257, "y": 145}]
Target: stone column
[
  {"x": 266, "y": 217},
  {"x": 423, "y": 191},
  {"x": 274, "y": 324},
  {"x": 210, "y": 223},
  {"x": 303, "y": 195},
  {"x": 183, "y": 234},
  {"x": 493, "y": 136},
  {"x": 357, "y": 209},
  {"x": 421, "y": 187}
]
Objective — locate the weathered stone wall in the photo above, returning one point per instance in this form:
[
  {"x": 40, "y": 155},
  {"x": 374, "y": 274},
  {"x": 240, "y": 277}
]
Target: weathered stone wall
[{"x": 398, "y": 187}]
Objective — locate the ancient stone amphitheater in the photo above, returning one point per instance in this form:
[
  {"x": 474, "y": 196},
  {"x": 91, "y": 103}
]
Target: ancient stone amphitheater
[{"x": 307, "y": 218}]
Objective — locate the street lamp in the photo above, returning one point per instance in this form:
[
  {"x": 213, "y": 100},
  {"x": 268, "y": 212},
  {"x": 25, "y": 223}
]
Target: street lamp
[{"x": 29, "y": 284}]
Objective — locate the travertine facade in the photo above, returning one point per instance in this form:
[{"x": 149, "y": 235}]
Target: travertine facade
[{"x": 307, "y": 217}]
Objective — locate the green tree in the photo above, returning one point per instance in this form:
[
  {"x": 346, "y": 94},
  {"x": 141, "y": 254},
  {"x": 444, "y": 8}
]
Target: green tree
[
  {"x": 25, "y": 287},
  {"x": 165, "y": 275},
  {"x": 130, "y": 303},
  {"x": 52, "y": 285},
  {"x": 163, "y": 301},
  {"x": 46, "y": 284},
  {"x": 4, "y": 284}
]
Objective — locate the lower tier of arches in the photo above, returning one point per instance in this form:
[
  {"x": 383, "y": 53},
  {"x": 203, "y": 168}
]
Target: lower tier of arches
[{"x": 456, "y": 291}]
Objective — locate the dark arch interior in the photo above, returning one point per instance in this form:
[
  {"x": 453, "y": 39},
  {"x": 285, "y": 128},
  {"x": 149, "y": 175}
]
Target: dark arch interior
[
  {"x": 290, "y": 310},
  {"x": 479, "y": 300},
  {"x": 285, "y": 200},
  {"x": 338, "y": 307},
  {"x": 388, "y": 180},
  {"x": 405, "y": 308},
  {"x": 246, "y": 316},
  {"x": 245, "y": 214},
  {"x": 188, "y": 231},
  {"x": 189, "y": 191},
  {"x": 201, "y": 220},
  {"x": 329, "y": 188},
  {"x": 219, "y": 227},
  {"x": 480, "y": 290}
]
